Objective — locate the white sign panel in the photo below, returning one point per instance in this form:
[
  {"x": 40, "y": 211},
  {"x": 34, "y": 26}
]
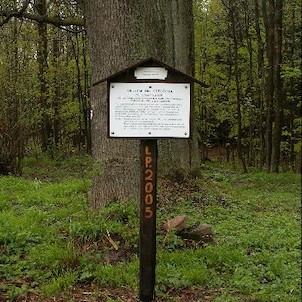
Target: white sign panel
[
  {"x": 148, "y": 73},
  {"x": 149, "y": 110}
]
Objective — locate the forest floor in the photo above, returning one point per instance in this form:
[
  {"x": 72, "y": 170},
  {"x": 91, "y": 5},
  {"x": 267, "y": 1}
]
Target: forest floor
[{"x": 54, "y": 248}]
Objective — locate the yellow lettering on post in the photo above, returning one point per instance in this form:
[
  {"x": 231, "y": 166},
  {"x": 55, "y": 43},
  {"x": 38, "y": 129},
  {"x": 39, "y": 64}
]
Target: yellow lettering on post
[
  {"x": 147, "y": 150},
  {"x": 149, "y": 199},
  {"x": 148, "y": 161},
  {"x": 149, "y": 174},
  {"x": 148, "y": 212},
  {"x": 149, "y": 187}
]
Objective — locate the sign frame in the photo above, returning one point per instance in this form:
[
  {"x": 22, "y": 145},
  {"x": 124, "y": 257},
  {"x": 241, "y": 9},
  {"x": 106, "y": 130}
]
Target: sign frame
[
  {"x": 173, "y": 132},
  {"x": 127, "y": 75}
]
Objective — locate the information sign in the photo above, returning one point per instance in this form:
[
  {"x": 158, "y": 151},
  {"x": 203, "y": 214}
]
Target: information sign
[{"x": 149, "y": 110}]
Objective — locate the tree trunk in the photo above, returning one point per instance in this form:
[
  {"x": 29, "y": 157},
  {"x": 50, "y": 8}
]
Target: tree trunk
[
  {"x": 278, "y": 86},
  {"x": 250, "y": 88},
  {"x": 179, "y": 158},
  {"x": 82, "y": 132},
  {"x": 269, "y": 26},
  {"x": 86, "y": 95},
  {"x": 121, "y": 33},
  {"x": 13, "y": 139},
  {"x": 42, "y": 54},
  {"x": 238, "y": 94},
  {"x": 184, "y": 61},
  {"x": 292, "y": 107},
  {"x": 56, "y": 95},
  {"x": 261, "y": 82},
  {"x": 116, "y": 32},
  {"x": 12, "y": 131}
]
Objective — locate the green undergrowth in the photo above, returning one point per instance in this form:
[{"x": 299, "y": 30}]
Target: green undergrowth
[{"x": 51, "y": 241}]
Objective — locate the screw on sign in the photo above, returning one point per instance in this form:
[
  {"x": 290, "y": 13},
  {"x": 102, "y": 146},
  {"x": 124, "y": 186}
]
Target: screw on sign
[{"x": 148, "y": 219}]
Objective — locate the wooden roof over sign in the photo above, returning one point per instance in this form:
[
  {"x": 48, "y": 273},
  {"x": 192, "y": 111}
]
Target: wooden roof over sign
[{"x": 151, "y": 62}]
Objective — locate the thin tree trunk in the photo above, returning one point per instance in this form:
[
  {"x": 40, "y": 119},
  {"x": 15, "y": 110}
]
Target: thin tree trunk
[
  {"x": 80, "y": 96},
  {"x": 15, "y": 143},
  {"x": 250, "y": 90},
  {"x": 237, "y": 82},
  {"x": 278, "y": 87},
  {"x": 247, "y": 17},
  {"x": 56, "y": 95},
  {"x": 261, "y": 83},
  {"x": 86, "y": 95},
  {"x": 201, "y": 122},
  {"x": 292, "y": 92},
  {"x": 269, "y": 26},
  {"x": 42, "y": 54}
]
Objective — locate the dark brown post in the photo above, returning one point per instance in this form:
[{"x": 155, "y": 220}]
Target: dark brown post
[{"x": 147, "y": 244}]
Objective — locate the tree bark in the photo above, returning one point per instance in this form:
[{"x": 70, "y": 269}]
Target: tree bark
[
  {"x": 184, "y": 61},
  {"x": 116, "y": 36},
  {"x": 179, "y": 158}
]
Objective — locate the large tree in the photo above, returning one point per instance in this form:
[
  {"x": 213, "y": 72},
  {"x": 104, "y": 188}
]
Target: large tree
[{"x": 122, "y": 33}]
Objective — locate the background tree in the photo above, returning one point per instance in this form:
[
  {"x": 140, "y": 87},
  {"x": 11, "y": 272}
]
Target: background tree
[
  {"x": 291, "y": 76},
  {"x": 278, "y": 85},
  {"x": 179, "y": 158},
  {"x": 40, "y": 8},
  {"x": 232, "y": 12},
  {"x": 45, "y": 95},
  {"x": 11, "y": 119},
  {"x": 264, "y": 65}
]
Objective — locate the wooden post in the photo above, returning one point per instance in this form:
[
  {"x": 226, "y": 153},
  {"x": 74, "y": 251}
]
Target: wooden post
[{"x": 147, "y": 244}]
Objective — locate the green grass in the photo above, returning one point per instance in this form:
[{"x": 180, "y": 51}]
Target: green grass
[{"x": 51, "y": 242}]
